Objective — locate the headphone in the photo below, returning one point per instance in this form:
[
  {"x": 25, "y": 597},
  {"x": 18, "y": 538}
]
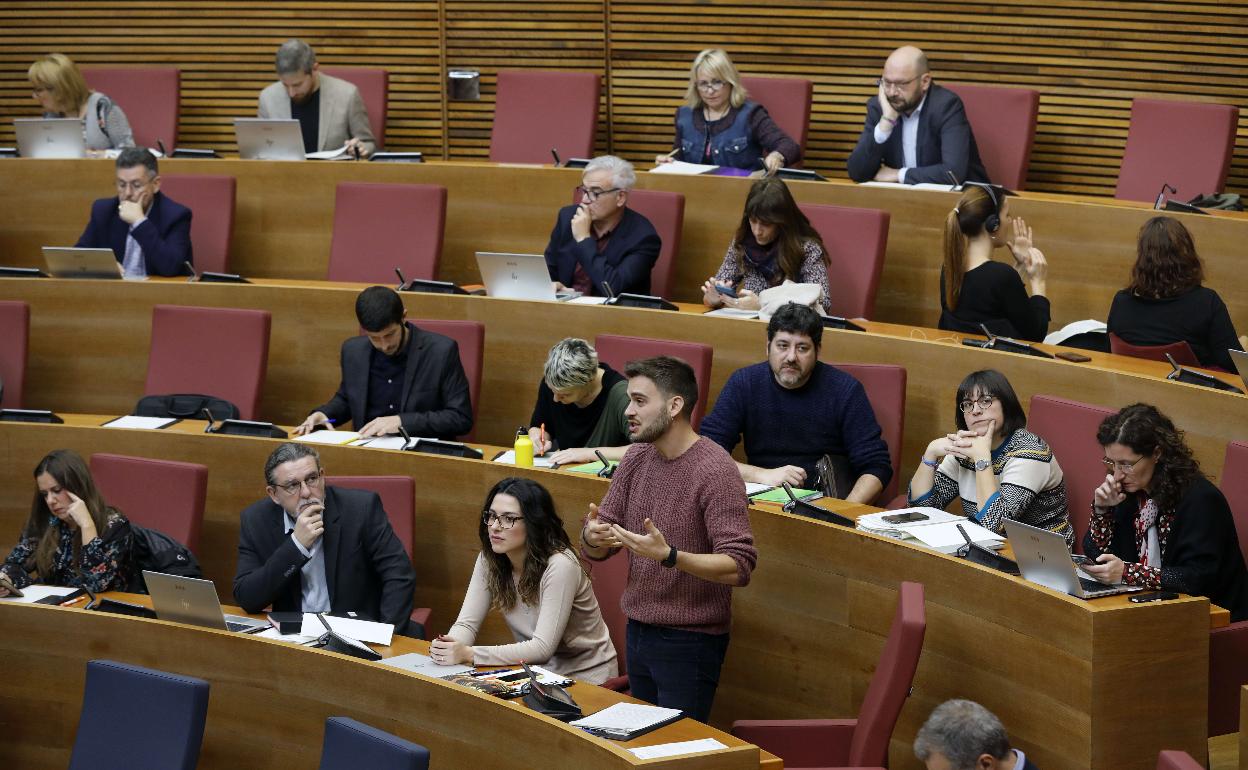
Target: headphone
[{"x": 992, "y": 222}]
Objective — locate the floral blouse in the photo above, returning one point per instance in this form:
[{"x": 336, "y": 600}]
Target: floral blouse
[
  {"x": 814, "y": 270},
  {"x": 104, "y": 563}
]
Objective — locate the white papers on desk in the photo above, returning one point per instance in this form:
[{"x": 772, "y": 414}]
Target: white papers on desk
[
  {"x": 682, "y": 168},
  {"x": 674, "y": 749},
  {"x": 938, "y": 532},
  {"x": 732, "y": 312},
  {"x": 509, "y": 458},
  {"x": 33, "y": 593},
  {"x": 751, "y": 488},
  {"x": 333, "y": 437},
  {"x": 136, "y": 422},
  {"x": 341, "y": 152},
  {"x": 627, "y": 718},
  {"x": 1073, "y": 328},
  {"x": 423, "y": 664},
  {"x": 383, "y": 442},
  {"x": 587, "y": 300},
  {"x": 273, "y": 633},
  {"x": 933, "y": 186},
  {"x": 363, "y": 630}
]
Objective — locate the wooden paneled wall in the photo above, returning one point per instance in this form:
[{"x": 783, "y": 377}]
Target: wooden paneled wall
[{"x": 1087, "y": 58}]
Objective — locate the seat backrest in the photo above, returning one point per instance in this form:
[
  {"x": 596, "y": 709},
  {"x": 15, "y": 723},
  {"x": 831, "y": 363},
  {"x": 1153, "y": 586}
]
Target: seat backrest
[
  {"x": 211, "y": 201},
  {"x": 1069, "y": 428},
  {"x": 787, "y": 101},
  {"x": 536, "y": 110},
  {"x": 886, "y": 390},
  {"x": 1003, "y": 121},
  {"x": 14, "y": 351},
  {"x": 350, "y": 745},
  {"x": 398, "y": 497},
  {"x": 617, "y": 350},
  {"x": 1234, "y": 486},
  {"x": 1186, "y": 145},
  {"x": 470, "y": 336},
  {"x": 378, "y": 227},
  {"x": 215, "y": 351},
  {"x": 164, "y": 495},
  {"x": 1177, "y": 760},
  {"x": 167, "y": 710},
  {"x": 1181, "y": 351},
  {"x": 856, "y": 240},
  {"x": 890, "y": 684},
  {"x": 148, "y": 95},
  {"x": 374, "y": 85},
  {"x": 609, "y": 578},
  {"x": 666, "y": 211}
]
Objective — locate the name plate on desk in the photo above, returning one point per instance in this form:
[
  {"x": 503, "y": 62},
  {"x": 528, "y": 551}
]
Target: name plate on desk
[
  {"x": 432, "y": 287},
  {"x": 248, "y": 428},
  {"x": 448, "y": 448},
  {"x": 29, "y": 415},
  {"x": 207, "y": 277},
  {"x": 646, "y": 301}
]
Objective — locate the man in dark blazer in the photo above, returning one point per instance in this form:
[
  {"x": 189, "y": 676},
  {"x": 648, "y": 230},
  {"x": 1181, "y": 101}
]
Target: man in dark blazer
[
  {"x": 915, "y": 130},
  {"x": 149, "y": 233},
  {"x": 397, "y": 375},
  {"x": 600, "y": 242},
  {"x": 313, "y": 548}
]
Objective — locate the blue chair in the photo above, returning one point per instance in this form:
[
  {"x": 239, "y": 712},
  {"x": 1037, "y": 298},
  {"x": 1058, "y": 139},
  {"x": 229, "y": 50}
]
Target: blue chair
[
  {"x": 350, "y": 745},
  {"x": 137, "y": 718}
]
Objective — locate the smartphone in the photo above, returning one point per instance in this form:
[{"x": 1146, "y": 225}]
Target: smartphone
[
  {"x": 727, "y": 291},
  {"x": 905, "y": 518},
  {"x": 1078, "y": 358},
  {"x": 1080, "y": 559},
  {"x": 1156, "y": 596}
]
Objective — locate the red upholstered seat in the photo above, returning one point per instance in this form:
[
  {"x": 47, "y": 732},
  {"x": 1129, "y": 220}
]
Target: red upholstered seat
[
  {"x": 1004, "y": 123},
  {"x": 158, "y": 494},
  {"x": 886, "y": 390},
  {"x": 617, "y": 351},
  {"x": 666, "y": 211},
  {"x": 1177, "y": 760},
  {"x": 220, "y": 352},
  {"x": 537, "y": 110},
  {"x": 861, "y": 742},
  {"x": 609, "y": 578},
  {"x": 1228, "y": 647},
  {"x": 374, "y": 85},
  {"x": 378, "y": 227},
  {"x": 470, "y": 336},
  {"x": 787, "y": 101},
  {"x": 148, "y": 95},
  {"x": 1186, "y": 145},
  {"x": 14, "y": 347},
  {"x": 856, "y": 240},
  {"x": 1180, "y": 351},
  {"x": 1069, "y": 428},
  {"x": 211, "y": 201}
]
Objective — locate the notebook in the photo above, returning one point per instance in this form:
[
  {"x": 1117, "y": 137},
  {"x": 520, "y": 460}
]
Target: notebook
[
  {"x": 626, "y": 721},
  {"x": 50, "y": 137},
  {"x": 194, "y": 601},
  {"x": 1044, "y": 558},
  {"x": 265, "y": 139},
  {"x": 518, "y": 276},
  {"x": 81, "y": 263}
]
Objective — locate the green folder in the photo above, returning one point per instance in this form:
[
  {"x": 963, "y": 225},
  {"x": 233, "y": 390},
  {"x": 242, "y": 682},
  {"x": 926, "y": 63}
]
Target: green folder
[{"x": 778, "y": 495}]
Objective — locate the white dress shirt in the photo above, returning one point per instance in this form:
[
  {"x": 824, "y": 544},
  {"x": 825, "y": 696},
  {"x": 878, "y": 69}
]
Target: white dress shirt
[{"x": 909, "y": 138}]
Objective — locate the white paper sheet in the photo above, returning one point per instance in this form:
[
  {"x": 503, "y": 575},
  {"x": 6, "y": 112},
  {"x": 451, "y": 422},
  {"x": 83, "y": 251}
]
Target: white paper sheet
[
  {"x": 273, "y": 633},
  {"x": 626, "y": 717},
  {"x": 341, "y": 152},
  {"x": 681, "y": 168},
  {"x": 329, "y": 437},
  {"x": 583, "y": 300},
  {"x": 752, "y": 488},
  {"x": 140, "y": 423},
  {"x": 363, "y": 630},
  {"x": 674, "y": 749},
  {"x": 383, "y": 442},
  {"x": 732, "y": 312},
  {"x": 33, "y": 593},
  {"x": 509, "y": 458}
]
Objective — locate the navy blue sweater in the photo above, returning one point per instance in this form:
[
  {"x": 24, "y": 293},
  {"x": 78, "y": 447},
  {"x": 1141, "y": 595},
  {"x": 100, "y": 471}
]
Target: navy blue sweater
[{"x": 830, "y": 414}]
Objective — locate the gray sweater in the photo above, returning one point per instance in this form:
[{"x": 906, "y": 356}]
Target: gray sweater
[{"x": 105, "y": 126}]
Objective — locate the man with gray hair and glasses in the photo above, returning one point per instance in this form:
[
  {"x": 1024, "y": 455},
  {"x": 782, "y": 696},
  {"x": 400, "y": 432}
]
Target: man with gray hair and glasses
[
  {"x": 963, "y": 735},
  {"x": 580, "y": 406},
  {"x": 330, "y": 111},
  {"x": 599, "y": 246}
]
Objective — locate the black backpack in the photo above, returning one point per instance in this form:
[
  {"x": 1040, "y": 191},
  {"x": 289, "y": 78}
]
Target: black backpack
[
  {"x": 155, "y": 551},
  {"x": 186, "y": 406}
]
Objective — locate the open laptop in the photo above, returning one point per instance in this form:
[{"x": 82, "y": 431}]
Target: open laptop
[
  {"x": 194, "y": 601},
  {"x": 1044, "y": 558},
  {"x": 518, "y": 276},
  {"x": 267, "y": 139},
  {"x": 65, "y": 262},
  {"x": 50, "y": 137},
  {"x": 1240, "y": 359}
]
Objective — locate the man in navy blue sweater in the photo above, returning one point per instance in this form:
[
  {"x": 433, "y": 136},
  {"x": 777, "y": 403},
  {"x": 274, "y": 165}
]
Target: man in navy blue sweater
[{"x": 793, "y": 409}]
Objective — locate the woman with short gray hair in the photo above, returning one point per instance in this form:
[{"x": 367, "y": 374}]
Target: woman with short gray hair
[{"x": 580, "y": 406}]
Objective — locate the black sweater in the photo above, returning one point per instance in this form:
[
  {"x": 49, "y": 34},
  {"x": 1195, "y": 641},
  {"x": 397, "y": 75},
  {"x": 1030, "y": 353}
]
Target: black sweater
[
  {"x": 1198, "y": 317},
  {"x": 993, "y": 294}
]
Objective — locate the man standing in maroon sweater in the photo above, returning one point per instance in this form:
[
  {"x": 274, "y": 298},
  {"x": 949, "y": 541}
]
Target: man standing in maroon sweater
[{"x": 678, "y": 504}]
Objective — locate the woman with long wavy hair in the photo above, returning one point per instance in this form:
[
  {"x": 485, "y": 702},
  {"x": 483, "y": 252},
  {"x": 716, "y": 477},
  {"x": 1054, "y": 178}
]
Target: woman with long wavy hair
[
  {"x": 1157, "y": 522},
  {"x": 529, "y": 572}
]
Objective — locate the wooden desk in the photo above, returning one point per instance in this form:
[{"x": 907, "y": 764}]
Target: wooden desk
[
  {"x": 284, "y": 219},
  {"x": 1076, "y": 681}
]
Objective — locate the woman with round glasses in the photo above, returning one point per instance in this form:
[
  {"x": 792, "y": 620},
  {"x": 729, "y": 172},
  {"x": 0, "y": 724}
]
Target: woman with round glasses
[
  {"x": 528, "y": 570},
  {"x": 1157, "y": 522},
  {"x": 62, "y": 92},
  {"x": 998, "y": 468},
  {"x": 720, "y": 126}
]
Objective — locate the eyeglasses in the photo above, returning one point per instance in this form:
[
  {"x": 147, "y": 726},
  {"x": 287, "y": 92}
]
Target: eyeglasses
[
  {"x": 593, "y": 193},
  {"x": 134, "y": 185},
  {"x": 896, "y": 85},
  {"x": 502, "y": 521},
  {"x": 710, "y": 85},
  {"x": 42, "y": 90},
  {"x": 1121, "y": 465},
  {"x": 983, "y": 402},
  {"x": 293, "y": 487}
]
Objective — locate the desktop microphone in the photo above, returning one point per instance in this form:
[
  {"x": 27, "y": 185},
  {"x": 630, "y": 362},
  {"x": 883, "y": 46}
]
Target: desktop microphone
[
  {"x": 402, "y": 280},
  {"x": 208, "y": 413},
  {"x": 607, "y": 288},
  {"x": 555, "y": 153},
  {"x": 1161, "y": 196},
  {"x": 953, "y": 178},
  {"x": 161, "y": 145}
]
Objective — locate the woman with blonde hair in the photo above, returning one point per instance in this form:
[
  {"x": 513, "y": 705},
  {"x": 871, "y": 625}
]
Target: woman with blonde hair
[
  {"x": 62, "y": 92},
  {"x": 720, "y": 126}
]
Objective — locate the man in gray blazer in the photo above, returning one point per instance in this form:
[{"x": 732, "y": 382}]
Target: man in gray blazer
[{"x": 330, "y": 111}]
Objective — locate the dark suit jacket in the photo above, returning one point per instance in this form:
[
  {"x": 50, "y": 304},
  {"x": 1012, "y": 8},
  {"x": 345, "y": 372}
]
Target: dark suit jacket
[
  {"x": 435, "y": 402},
  {"x": 366, "y": 569},
  {"x": 165, "y": 236},
  {"x": 945, "y": 143},
  {"x": 625, "y": 264}
]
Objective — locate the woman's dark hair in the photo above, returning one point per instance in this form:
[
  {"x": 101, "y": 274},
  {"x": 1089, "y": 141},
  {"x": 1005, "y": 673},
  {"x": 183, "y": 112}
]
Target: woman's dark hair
[
  {"x": 1166, "y": 262},
  {"x": 769, "y": 201},
  {"x": 966, "y": 220},
  {"x": 544, "y": 537},
  {"x": 72, "y": 475},
  {"x": 990, "y": 382},
  {"x": 1143, "y": 429}
]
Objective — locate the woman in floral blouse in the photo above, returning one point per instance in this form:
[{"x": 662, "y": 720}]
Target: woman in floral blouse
[{"x": 72, "y": 537}]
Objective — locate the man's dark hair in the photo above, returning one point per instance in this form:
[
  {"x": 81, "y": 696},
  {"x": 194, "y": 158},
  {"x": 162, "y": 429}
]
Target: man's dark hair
[
  {"x": 378, "y": 307},
  {"x": 287, "y": 452},
  {"x": 672, "y": 376},
  {"x": 796, "y": 319},
  {"x": 137, "y": 156},
  {"x": 990, "y": 382}
]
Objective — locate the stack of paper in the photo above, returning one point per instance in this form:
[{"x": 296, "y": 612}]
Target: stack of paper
[
  {"x": 136, "y": 422},
  {"x": 509, "y": 458},
  {"x": 338, "y": 437},
  {"x": 625, "y": 721},
  {"x": 682, "y": 168},
  {"x": 939, "y": 531},
  {"x": 363, "y": 630}
]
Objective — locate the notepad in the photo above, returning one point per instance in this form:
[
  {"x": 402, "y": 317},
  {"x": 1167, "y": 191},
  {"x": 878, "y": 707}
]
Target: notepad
[
  {"x": 732, "y": 312},
  {"x": 625, "y": 721},
  {"x": 363, "y": 630},
  {"x": 778, "y": 495},
  {"x": 675, "y": 749},
  {"x": 679, "y": 167},
  {"x": 333, "y": 437},
  {"x": 509, "y": 458},
  {"x": 136, "y": 422}
]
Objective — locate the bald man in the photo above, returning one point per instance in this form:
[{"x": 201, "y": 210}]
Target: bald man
[{"x": 916, "y": 131}]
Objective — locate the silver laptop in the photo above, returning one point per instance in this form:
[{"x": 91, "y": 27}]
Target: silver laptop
[
  {"x": 1043, "y": 557},
  {"x": 518, "y": 276},
  {"x": 50, "y": 137},
  {"x": 81, "y": 263},
  {"x": 1240, "y": 359},
  {"x": 266, "y": 139},
  {"x": 193, "y": 601}
]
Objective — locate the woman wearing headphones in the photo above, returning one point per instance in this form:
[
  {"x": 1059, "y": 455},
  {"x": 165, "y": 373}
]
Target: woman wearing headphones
[{"x": 975, "y": 289}]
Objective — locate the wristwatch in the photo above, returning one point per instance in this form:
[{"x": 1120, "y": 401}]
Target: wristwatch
[
  {"x": 982, "y": 465},
  {"x": 670, "y": 561}
]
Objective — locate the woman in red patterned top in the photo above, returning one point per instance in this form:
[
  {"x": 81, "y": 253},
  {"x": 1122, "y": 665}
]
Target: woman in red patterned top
[{"x": 1157, "y": 522}]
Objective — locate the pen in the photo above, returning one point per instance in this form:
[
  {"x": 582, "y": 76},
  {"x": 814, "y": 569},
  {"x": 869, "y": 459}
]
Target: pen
[
  {"x": 71, "y": 602},
  {"x": 671, "y": 154},
  {"x": 542, "y": 440}
]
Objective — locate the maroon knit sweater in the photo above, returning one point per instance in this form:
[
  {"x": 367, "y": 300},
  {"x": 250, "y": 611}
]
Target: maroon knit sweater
[{"x": 698, "y": 502}]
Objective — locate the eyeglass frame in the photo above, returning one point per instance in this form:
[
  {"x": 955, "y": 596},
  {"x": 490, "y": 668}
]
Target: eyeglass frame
[
  {"x": 310, "y": 481},
  {"x": 593, "y": 195},
  {"x": 134, "y": 184},
  {"x": 712, "y": 85},
  {"x": 499, "y": 520},
  {"x": 895, "y": 85},
  {"x": 1116, "y": 465},
  {"x": 966, "y": 406}
]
